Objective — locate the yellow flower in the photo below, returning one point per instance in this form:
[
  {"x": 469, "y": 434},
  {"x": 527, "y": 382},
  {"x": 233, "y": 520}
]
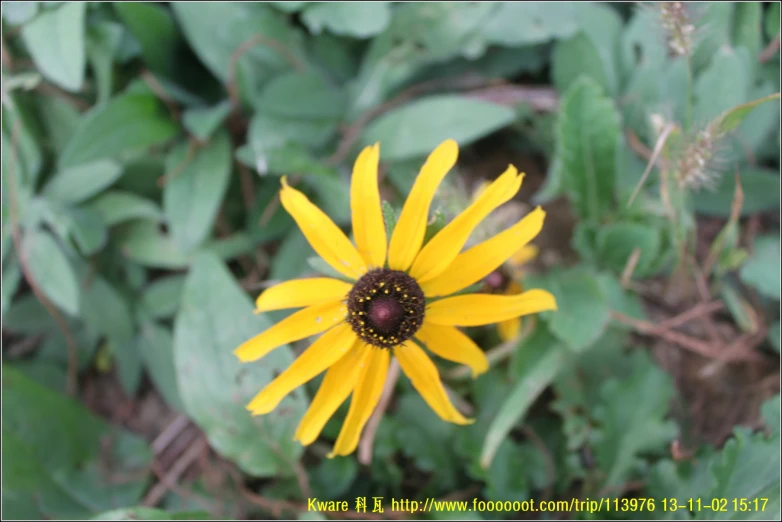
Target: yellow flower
[{"x": 387, "y": 308}]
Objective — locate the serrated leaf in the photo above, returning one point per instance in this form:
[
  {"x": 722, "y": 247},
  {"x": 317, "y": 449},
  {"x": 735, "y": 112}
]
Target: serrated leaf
[
  {"x": 144, "y": 243},
  {"x": 161, "y": 298},
  {"x": 67, "y": 479},
  {"x": 194, "y": 192},
  {"x": 588, "y": 130},
  {"x": 354, "y": 19},
  {"x": 130, "y": 122},
  {"x": 116, "y": 206},
  {"x": 732, "y": 118},
  {"x": 762, "y": 270},
  {"x": 78, "y": 183},
  {"x": 583, "y": 313},
  {"x": 202, "y": 122},
  {"x": 304, "y": 95},
  {"x": 543, "y": 358},
  {"x": 51, "y": 270},
  {"x": 417, "y": 128},
  {"x": 632, "y": 419},
  {"x": 56, "y": 43},
  {"x": 157, "y": 349},
  {"x": 215, "y": 318}
]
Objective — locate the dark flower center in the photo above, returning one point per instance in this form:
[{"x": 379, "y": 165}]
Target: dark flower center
[
  {"x": 496, "y": 282},
  {"x": 386, "y": 307}
]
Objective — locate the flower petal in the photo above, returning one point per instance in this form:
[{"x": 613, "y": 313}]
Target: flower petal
[
  {"x": 479, "y": 309},
  {"x": 309, "y": 321},
  {"x": 325, "y": 351},
  {"x": 426, "y": 380},
  {"x": 443, "y": 248},
  {"x": 453, "y": 345},
  {"x": 368, "y": 226},
  {"x": 365, "y": 398},
  {"x": 325, "y": 237},
  {"x": 509, "y": 329},
  {"x": 302, "y": 292},
  {"x": 524, "y": 255},
  {"x": 339, "y": 381},
  {"x": 410, "y": 228},
  {"x": 482, "y": 259}
]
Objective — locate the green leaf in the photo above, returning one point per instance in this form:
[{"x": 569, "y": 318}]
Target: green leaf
[
  {"x": 75, "y": 184},
  {"x": 583, "y": 313},
  {"x": 156, "y": 32},
  {"x": 103, "y": 41},
  {"x": 543, "y": 359},
  {"x": 148, "y": 513},
  {"x": 157, "y": 349},
  {"x": 770, "y": 411},
  {"x": 55, "y": 40},
  {"x": 762, "y": 270},
  {"x": 632, "y": 420},
  {"x": 216, "y": 318},
  {"x": 588, "y": 131},
  {"x": 87, "y": 229},
  {"x": 67, "y": 479},
  {"x": 354, "y": 19},
  {"x": 390, "y": 217},
  {"x": 617, "y": 241},
  {"x": 202, "y": 122},
  {"x": 51, "y": 270},
  {"x": 760, "y": 187},
  {"x": 732, "y": 118},
  {"x": 130, "y": 122},
  {"x": 161, "y": 298},
  {"x": 747, "y": 30},
  {"x": 576, "y": 57},
  {"x": 771, "y": 21},
  {"x": 192, "y": 196},
  {"x": 723, "y": 85},
  {"x": 515, "y": 24},
  {"x": 418, "y": 127},
  {"x": 18, "y": 13},
  {"x": 12, "y": 276},
  {"x": 291, "y": 258},
  {"x": 774, "y": 336},
  {"x": 60, "y": 120},
  {"x": 144, "y": 243},
  {"x": 116, "y": 206},
  {"x": 302, "y": 95}
]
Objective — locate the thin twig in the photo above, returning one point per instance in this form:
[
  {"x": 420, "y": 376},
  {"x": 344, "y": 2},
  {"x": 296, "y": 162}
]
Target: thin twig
[
  {"x": 632, "y": 262},
  {"x": 658, "y": 147},
  {"x": 156, "y": 494},
  {"x": 169, "y": 433},
  {"x": 696, "y": 311},
  {"x": 368, "y": 439},
  {"x": 248, "y": 188},
  {"x": 16, "y": 235},
  {"x": 770, "y": 50},
  {"x": 743, "y": 346},
  {"x": 541, "y": 99},
  {"x": 46, "y": 88}
]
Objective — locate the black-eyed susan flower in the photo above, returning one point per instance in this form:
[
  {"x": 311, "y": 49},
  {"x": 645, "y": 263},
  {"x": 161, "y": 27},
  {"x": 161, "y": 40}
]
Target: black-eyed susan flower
[{"x": 395, "y": 300}]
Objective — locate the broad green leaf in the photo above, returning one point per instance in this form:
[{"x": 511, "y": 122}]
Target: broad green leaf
[
  {"x": 144, "y": 243},
  {"x": 130, "y": 122},
  {"x": 148, "y": 513},
  {"x": 216, "y": 318},
  {"x": 747, "y": 31},
  {"x": 332, "y": 478},
  {"x": 60, "y": 120},
  {"x": 65, "y": 477},
  {"x": 130, "y": 366},
  {"x": 771, "y": 21},
  {"x": 153, "y": 27},
  {"x": 762, "y": 270},
  {"x": 354, "y": 19},
  {"x": 732, "y": 118},
  {"x": 747, "y": 468},
  {"x": 760, "y": 187},
  {"x": 157, "y": 349},
  {"x": 56, "y": 43},
  {"x": 625, "y": 301},
  {"x": 161, "y": 298},
  {"x": 617, "y": 241},
  {"x": 418, "y": 127},
  {"x": 576, "y": 57},
  {"x": 302, "y": 95},
  {"x": 290, "y": 261},
  {"x": 722, "y": 86},
  {"x": 632, "y": 420},
  {"x": 18, "y": 13},
  {"x": 116, "y": 206},
  {"x": 75, "y": 184},
  {"x": 588, "y": 131},
  {"x": 195, "y": 190},
  {"x": 514, "y": 24},
  {"x": 583, "y": 313},
  {"x": 51, "y": 270},
  {"x": 87, "y": 229},
  {"x": 713, "y": 23},
  {"x": 203, "y": 122},
  {"x": 770, "y": 411},
  {"x": 543, "y": 357},
  {"x": 103, "y": 41}
]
